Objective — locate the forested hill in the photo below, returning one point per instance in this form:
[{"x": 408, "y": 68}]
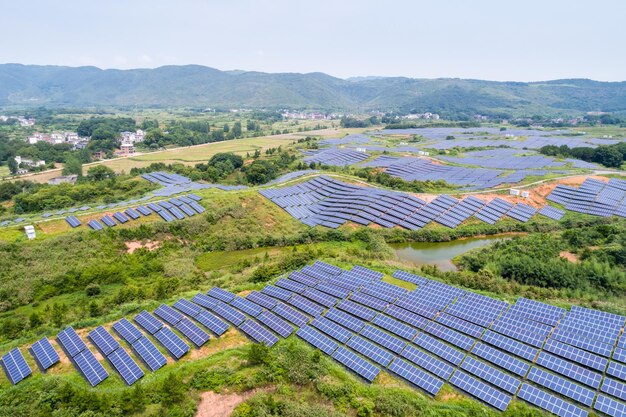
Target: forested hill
[{"x": 199, "y": 86}]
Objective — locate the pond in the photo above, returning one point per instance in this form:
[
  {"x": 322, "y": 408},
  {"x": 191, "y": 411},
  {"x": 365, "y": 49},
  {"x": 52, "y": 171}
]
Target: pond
[{"x": 440, "y": 253}]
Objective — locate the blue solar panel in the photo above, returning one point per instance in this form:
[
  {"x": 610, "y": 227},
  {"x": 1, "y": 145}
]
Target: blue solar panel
[
  {"x": 305, "y": 305},
  {"x": 549, "y": 402},
  {"x": 461, "y": 325},
  {"x": 275, "y": 323},
  {"x": 95, "y": 225},
  {"x": 408, "y": 277},
  {"x": 610, "y": 406},
  {"x": 416, "y": 376},
  {"x": 71, "y": 343},
  {"x": 394, "y": 326},
  {"x": 72, "y": 221},
  {"x": 406, "y": 316},
  {"x": 120, "y": 217},
  {"x": 125, "y": 366},
  {"x": 332, "y": 329},
  {"x": 45, "y": 355},
  {"x": 450, "y": 336},
  {"x": 577, "y": 355},
  {"x": 15, "y": 366},
  {"x": 132, "y": 213},
  {"x": 345, "y": 319},
  {"x": 319, "y": 297},
  {"x": 276, "y": 292},
  {"x": 383, "y": 338},
  {"x": 480, "y": 390},
  {"x": 370, "y": 350},
  {"x": 369, "y": 301},
  {"x": 192, "y": 332},
  {"x": 108, "y": 221},
  {"x": 562, "y": 386},
  {"x": 212, "y": 323},
  {"x": 220, "y": 294},
  {"x": 291, "y": 285},
  {"x": 317, "y": 339},
  {"x": 490, "y": 374},
  {"x": 149, "y": 353},
  {"x": 290, "y": 314},
  {"x": 510, "y": 345},
  {"x": 228, "y": 313},
  {"x": 503, "y": 360},
  {"x": 127, "y": 331},
  {"x": 262, "y": 300},
  {"x": 89, "y": 366},
  {"x": 570, "y": 370},
  {"x": 149, "y": 323},
  {"x": 357, "y": 364},
  {"x": 357, "y": 310},
  {"x": 258, "y": 333},
  {"x": 617, "y": 370},
  {"x": 205, "y": 301},
  {"x": 187, "y": 307},
  {"x": 439, "y": 348},
  {"x": 428, "y": 362},
  {"x": 143, "y": 210},
  {"x": 103, "y": 340},
  {"x": 172, "y": 342},
  {"x": 614, "y": 387},
  {"x": 246, "y": 306}
]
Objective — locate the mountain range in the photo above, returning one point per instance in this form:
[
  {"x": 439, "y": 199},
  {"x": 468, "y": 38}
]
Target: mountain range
[{"x": 200, "y": 86}]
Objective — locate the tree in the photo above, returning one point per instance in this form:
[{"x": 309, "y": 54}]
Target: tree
[
  {"x": 13, "y": 165},
  {"x": 237, "y": 130},
  {"x": 73, "y": 166},
  {"x": 608, "y": 156},
  {"x": 100, "y": 173},
  {"x": 236, "y": 160},
  {"x": 172, "y": 390}
]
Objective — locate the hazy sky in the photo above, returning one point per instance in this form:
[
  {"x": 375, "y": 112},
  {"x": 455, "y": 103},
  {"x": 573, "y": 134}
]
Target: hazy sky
[{"x": 525, "y": 40}]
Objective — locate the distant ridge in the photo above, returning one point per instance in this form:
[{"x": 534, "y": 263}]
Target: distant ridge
[{"x": 200, "y": 86}]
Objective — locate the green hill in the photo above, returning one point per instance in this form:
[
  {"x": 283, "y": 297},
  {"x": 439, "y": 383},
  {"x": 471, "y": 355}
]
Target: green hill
[{"x": 198, "y": 86}]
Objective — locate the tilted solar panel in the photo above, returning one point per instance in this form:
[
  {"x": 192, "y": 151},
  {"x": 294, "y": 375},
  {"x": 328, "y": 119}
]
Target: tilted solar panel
[
  {"x": 317, "y": 339},
  {"x": 192, "y": 332},
  {"x": 90, "y": 368},
  {"x": 125, "y": 366},
  {"x": 15, "y": 366},
  {"x": 258, "y": 333},
  {"x": 357, "y": 364},
  {"x": 103, "y": 340},
  {"x": 172, "y": 342},
  {"x": 416, "y": 376}
]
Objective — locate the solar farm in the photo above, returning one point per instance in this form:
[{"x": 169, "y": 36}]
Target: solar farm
[
  {"x": 593, "y": 197},
  {"x": 567, "y": 362},
  {"x": 331, "y": 203}
]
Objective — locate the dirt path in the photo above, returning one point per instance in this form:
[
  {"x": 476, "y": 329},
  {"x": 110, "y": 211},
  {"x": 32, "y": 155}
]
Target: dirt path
[{"x": 213, "y": 404}]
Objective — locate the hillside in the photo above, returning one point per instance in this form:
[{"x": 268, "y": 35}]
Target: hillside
[{"x": 199, "y": 86}]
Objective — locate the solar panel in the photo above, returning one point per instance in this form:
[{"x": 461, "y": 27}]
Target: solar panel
[
  {"x": 317, "y": 339},
  {"x": 610, "y": 406},
  {"x": 44, "y": 353},
  {"x": 262, "y": 300},
  {"x": 490, "y": 374},
  {"x": 132, "y": 213},
  {"x": 72, "y": 221},
  {"x": 127, "y": 331},
  {"x": 187, "y": 307},
  {"x": 71, "y": 343},
  {"x": 345, "y": 319},
  {"x": 205, "y": 301},
  {"x": 149, "y": 353},
  {"x": 303, "y": 304},
  {"x": 275, "y": 323},
  {"x": 428, "y": 362},
  {"x": 503, "y": 360},
  {"x": 408, "y": 277},
  {"x": 319, "y": 297},
  {"x": 568, "y": 369},
  {"x": 212, "y": 323},
  {"x": 549, "y": 402},
  {"x": 480, "y": 390},
  {"x": 95, "y": 225},
  {"x": 246, "y": 306},
  {"x": 172, "y": 342},
  {"x": 406, "y": 316},
  {"x": 369, "y": 301},
  {"x": 617, "y": 369},
  {"x": 290, "y": 314},
  {"x": 108, "y": 221},
  {"x": 562, "y": 386},
  {"x": 258, "y": 333},
  {"x": 290, "y": 285},
  {"x": 103, "y": 340},
  {"x": 15, "y": 366},
  {"x": 220, "y": 294},
  {"x": 357, "y": 310},
  {"x": 330, "y": 328},
  {"x": 614, "y": 387},
  {"x": 228, "y": 313},
  {"x": 383, "y": 338},
  {"x": 89, "y": 366},
  {"x": 394, "y": 326},
  {"x": 439, "y": 348},
  {"x": 416, "y": 376},
  {"x": 120, "y": 217},
  {"x": 370, "y": 350},
  {"x": 277, "y": 292},
  {"x": 125, "y": 366},
  {"x": 450, "y": 336},
  {"x": 149, "y": 323},
  {"x": 357, "y": 364},
  {"x": 576, "y": 355},
  {"x": 192, "y": 332}
]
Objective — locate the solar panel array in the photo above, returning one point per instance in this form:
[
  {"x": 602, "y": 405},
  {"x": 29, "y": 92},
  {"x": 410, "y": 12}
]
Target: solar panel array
[
  {"x": 337, "y": 157},
  {"x": 566, "y": 362},
  {"x": 84, "y": 360},
  {"x": 331, "y": 203},
  {"x": 593, "y": 197},
  {"x": 493, "y": 351}
]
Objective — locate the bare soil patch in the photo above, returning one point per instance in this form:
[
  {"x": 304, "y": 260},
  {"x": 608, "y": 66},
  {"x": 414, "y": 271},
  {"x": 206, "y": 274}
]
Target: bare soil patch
[
  {"x": 569, "y": 256},
  {"x": 213, "y": 404},
  {"x": 133, "y": 245}
]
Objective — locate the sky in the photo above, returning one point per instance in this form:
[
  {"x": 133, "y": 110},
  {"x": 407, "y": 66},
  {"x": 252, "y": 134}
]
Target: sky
[{"x": 503, "y": 40}]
